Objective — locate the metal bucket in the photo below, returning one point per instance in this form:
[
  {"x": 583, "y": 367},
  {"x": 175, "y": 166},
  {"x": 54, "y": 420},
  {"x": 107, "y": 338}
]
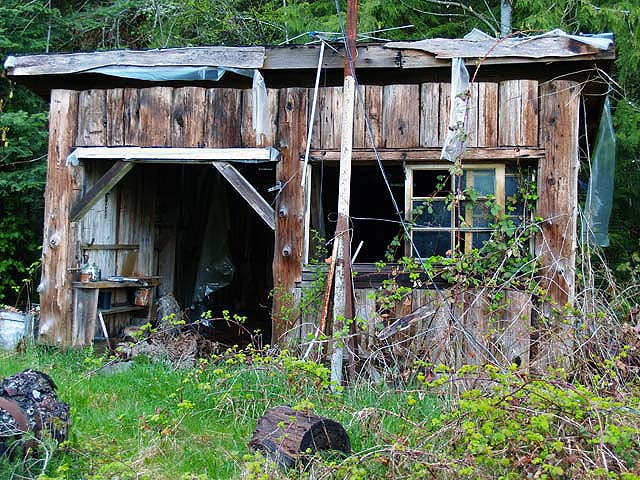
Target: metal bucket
[{"x": 13, "y": 327}]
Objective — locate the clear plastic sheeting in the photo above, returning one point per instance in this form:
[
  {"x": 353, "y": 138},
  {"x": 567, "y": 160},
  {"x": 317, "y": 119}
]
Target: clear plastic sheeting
[
  {"x": 454, "y": 143},
  {"x": 215, "y": 269},
  {"x": 162, "y": 74},
  {"x": 260, "y": 106},
  {"x": 597, "y": 210}
]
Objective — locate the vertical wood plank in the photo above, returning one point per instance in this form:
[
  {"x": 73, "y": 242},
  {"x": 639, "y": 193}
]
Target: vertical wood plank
[
  {"x": 487, "y": 114},
  {"x": 85, "y": 304},
  {"x": 99, "y": 224},
  {"x": 473, "y": 104},
  {"x": 316, "y": 140},
  {"x": 187, "y": 117},
  {"x": 330, "y": 117},
  {"x": 443, "y": 112},
  {"x": 223, "y": 124},
  {"x": 529, "y": 132},
  {"x": 60, "y": 244},
  {"x": 401, "y": 116},
  {"x": 509, "y": 113},
  {"x": 374, "y": 108},
  {"x": 155, "y": 116},
  {"x": 429, "y": 114},
  {"x": 360, "y": 136},
  {"x": 115, "y": 117},
  {"x": 287, "y": 258},
  {"x": 92, "y": 118},
  {"x": 557, "y": 204},
  {"x": 131, "y": 98},
  {"x": 137, "y": 218},
  {"x": 518, "y": 114},
  {"x": 475, "y": 318},
  {"x": 515, "y": 328}
]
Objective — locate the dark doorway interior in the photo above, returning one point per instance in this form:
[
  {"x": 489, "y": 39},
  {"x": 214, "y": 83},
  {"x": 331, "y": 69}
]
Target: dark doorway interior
[{"x": 224, "y": 251}]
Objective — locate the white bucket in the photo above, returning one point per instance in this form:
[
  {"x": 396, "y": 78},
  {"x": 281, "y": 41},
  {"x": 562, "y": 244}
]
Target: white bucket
[{"x": 13, "y": 327}]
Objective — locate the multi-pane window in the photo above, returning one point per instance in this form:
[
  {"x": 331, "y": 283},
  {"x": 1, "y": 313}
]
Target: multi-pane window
[{"x": 457, "y": 213}]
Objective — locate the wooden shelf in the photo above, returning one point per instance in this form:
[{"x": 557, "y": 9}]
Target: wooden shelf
[
  {"x": 141, "y": 283},
  {"x": 121, "y": 309}
]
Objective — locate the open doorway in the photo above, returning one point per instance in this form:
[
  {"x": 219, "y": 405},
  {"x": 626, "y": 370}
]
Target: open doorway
[{"x": 222, "y": 250}]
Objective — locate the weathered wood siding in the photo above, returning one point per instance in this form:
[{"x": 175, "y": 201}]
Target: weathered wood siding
[
  {"x": 60, "y": 246},
  {"x": 513, "y": 113}
]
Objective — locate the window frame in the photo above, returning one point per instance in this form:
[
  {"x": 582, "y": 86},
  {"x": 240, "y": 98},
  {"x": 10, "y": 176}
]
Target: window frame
[{"x": 500, "y": 170}]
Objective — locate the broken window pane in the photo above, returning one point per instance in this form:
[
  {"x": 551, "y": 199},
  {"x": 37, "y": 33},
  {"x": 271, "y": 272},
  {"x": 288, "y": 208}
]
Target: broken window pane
[
  {"x": 430, "y": 243},
  {"x": 431, "y": 214}
]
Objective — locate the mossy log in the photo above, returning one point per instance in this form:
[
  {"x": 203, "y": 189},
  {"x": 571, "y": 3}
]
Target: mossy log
[{"x": 287, "y": 435}]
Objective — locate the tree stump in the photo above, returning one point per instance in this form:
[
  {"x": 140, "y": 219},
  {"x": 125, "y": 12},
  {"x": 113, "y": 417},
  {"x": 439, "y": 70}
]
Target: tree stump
[
  {"x": 28, "y": 403},
  {"x": 287, "y": 435}
]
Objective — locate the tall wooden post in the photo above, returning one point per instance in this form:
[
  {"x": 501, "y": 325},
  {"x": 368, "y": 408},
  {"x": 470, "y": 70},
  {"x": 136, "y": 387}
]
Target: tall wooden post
[{"x": 342, "y": 303}]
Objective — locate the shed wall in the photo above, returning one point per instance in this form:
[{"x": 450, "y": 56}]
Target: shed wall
[{"x": 501, "y": 114}]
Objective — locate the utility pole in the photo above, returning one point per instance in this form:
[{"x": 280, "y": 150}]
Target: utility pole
[{"x": 343, "y": 294}]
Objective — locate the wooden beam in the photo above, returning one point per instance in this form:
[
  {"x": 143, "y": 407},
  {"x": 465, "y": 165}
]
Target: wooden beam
[
  {"x": 174, "y": 155},
  {"x": 99, "y": 189},
  {"x": 65, "y": 63},
  {"x": 428, "y": 154},
  {"x": 246, "y": 191}
]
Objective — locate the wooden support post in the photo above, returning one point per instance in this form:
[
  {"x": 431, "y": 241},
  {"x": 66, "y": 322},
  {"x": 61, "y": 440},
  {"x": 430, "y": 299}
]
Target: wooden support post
[
  {"x": 343, "y": 301},
  {"x": 287, "y": 257},
  {"x": 248, "y": 192},
  {"x": 60, "y": 244},
  {"x": 557, "y": 192}
]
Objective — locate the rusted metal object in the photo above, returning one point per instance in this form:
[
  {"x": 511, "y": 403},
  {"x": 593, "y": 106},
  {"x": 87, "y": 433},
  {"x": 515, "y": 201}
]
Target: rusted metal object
[{"x": 29, "y": 404}]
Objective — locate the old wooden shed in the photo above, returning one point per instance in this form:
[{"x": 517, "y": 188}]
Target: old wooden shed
[{"x": 156, "y": 172}]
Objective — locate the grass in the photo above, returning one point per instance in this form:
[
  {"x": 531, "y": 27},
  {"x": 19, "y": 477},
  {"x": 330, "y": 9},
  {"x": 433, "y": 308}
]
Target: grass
[{"x": 154, "y": 422}]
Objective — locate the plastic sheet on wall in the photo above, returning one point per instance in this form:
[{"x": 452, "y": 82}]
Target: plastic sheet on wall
[
  {"x": 215, "y": 269},
  {"x": 597, "y": 210},
  {"x": 453, "y": 145},
  {"x": 260, "y": 105}
]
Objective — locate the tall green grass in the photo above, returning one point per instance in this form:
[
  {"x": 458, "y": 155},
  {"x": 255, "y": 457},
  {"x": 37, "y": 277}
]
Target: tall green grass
[{"x": 155, "y": 422}]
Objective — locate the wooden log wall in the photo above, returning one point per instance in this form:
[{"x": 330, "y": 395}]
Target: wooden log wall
[{"x": 501, "y": 114}]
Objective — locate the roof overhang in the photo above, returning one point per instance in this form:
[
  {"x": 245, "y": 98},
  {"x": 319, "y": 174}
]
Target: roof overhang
[{"x": 292, "y": 64}]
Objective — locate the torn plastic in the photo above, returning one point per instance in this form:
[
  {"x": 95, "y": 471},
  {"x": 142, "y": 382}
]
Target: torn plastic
[
  {"x": 215, "y": 269},
  {"x": 599, "y": 40},
  {"x": 161, "y": 74},
  {"x": 597, "y": 210},
  {"x": 260, "y": 106},
  {"x": 454, "y": 144}
]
